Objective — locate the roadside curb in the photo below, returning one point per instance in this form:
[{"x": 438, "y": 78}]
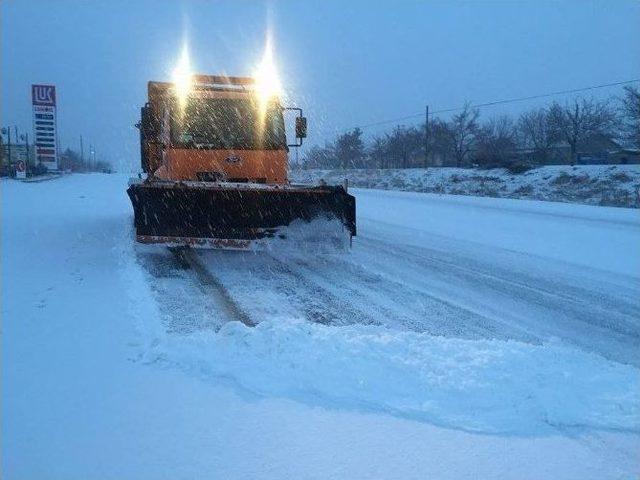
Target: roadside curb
[{"x": 41, "y": 178}]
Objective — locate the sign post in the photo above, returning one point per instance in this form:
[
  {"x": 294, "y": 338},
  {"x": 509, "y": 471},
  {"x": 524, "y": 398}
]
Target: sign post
[{"x": 43, "y": 100}]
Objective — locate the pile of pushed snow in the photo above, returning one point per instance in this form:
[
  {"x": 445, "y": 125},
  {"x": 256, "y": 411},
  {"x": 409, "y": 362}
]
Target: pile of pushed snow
[
  {"x": 611, "y": 185},
  {"x": 487, "y": 386},
  {"x": 321, "y": 235}
]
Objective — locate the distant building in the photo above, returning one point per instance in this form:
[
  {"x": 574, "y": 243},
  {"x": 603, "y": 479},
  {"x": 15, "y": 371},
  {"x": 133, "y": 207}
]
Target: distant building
[
  {"x": 597, "y": 150},
  {"x": 600, "y": 149}
]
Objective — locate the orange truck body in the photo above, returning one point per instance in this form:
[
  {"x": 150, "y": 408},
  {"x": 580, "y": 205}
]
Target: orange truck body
[
  {"x": 166, "y": 161},
  {"x": 217, "y": 162}
]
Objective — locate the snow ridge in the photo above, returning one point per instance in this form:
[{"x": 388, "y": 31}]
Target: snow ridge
[{"x": 486, "y": 386}]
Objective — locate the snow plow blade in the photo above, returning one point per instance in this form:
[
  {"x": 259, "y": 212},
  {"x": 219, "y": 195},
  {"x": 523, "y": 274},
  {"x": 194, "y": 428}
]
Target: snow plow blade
[{"x": 231, "y": 216}]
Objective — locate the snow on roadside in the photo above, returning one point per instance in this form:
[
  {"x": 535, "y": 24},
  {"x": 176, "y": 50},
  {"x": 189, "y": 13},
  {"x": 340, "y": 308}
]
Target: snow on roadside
[
  {"x": 75, "y": 401},
  {"x": 484, "y": 386},
  {"x": 609, "y": 185}
]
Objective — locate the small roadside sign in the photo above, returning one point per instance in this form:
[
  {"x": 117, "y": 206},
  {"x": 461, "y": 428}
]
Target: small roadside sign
[{"x": 21, "y": 170}]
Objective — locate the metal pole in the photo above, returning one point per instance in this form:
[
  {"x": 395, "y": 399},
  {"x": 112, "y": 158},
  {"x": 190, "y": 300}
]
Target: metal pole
[
  {"x": 15, "y": 130},
  {"x": 1, "y": 150},
  {"x": 26, "y": 145},
  {"x": 426, "y": 137},
  {"x": 9, "y": 144}
]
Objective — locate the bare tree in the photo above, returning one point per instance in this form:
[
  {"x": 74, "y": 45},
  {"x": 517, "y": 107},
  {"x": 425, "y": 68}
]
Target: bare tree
[
  {"x": 398, "y": 151},
  {"x": 405, "y": 146},
  {"x": 581, "y": 119},
  {"x": 349, "y": 148},
  {"x": 631, "y": 114},
  {"x": 496, "y": 142},
  {"x": 440, "y": 142},
  {"x": 320, "y": 157},
  {"x": 379, "y": 152},
  {"x": 538, "y": 131},
  {"x": 462, "y": 129}
]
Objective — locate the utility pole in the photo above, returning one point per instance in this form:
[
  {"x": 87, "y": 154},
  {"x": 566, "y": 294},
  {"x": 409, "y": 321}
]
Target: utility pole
[
  {"x": 25, "y": 138},
  {"x": 26, "y": 143},
  {"x": 17, "y": 141},
  {"x": 2, "y": 149},
  {"x": 81, "y": 151},
  {"x": 426, "y": 137},
  {"x": 9, "y": 144}
]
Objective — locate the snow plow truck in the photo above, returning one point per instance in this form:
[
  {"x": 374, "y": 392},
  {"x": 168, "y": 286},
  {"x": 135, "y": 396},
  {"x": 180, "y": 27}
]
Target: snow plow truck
[{"x": 215, "y": 165}]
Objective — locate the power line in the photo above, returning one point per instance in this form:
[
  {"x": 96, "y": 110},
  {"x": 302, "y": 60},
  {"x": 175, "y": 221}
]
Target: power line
[{"x": 497, "y": 102}]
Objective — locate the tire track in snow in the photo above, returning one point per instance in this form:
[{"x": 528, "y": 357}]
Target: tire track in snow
[
  {"x": 266, "y": 288},
  {"x": 399, "y": 304},
  {"x": 627, "y": 310},
  {"x": 220, "y": 295},
  {"x": 538, "y": 311},
  {"x": 183, "y": 302}
]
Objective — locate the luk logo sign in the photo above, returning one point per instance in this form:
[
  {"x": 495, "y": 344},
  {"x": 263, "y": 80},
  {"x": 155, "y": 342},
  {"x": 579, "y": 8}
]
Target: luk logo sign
[
  {"x": 43, "y": 95},
  {"x": 43, "y": 98}
]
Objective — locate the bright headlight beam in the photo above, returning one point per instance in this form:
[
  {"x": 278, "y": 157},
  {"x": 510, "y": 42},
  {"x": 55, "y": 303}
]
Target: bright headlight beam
[
  {"x": 182, "y": 76},
  {"x": 266, "y": 76}
]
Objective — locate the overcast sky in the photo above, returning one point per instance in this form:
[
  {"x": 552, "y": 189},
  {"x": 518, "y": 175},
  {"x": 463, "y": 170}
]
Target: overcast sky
[{"x": 345, "y": 62}]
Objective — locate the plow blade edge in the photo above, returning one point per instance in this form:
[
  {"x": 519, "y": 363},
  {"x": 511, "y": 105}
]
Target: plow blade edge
[{"x": 231, "y": 216}]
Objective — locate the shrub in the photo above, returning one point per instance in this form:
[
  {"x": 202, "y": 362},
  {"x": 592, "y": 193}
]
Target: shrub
[
  {"x": 580, "y": 179},
  {"x": 523, "y": 190},
  {"x": 562, "y": 179},
  {"x": 39, "y": 169},
  {"x": 516, "y": 168},
  {"x": 616, "y": 198},
  {"x": 621, "y": 177}
]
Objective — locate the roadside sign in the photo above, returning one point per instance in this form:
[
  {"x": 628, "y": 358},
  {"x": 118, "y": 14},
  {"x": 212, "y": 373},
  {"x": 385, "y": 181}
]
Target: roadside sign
[
  {"x": 43, "y": 101},
  {"x": 21, "y": 170}
]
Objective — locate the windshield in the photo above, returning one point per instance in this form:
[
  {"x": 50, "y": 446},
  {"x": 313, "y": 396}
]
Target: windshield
[{"x": 228, "y": 124}]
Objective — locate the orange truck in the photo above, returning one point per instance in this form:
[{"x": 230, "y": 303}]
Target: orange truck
[{"x": 216, "y": 165}]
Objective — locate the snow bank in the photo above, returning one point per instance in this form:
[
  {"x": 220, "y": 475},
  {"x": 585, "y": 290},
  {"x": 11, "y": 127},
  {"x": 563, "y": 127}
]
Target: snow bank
[
  {"x": 609, "y": 185},
  {"x": 485, "y": 386}
]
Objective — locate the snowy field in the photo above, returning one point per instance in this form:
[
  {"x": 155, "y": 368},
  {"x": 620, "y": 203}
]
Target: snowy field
[
  {"x": 462, "y": 337},
  {"x": 608, "y": 185}
]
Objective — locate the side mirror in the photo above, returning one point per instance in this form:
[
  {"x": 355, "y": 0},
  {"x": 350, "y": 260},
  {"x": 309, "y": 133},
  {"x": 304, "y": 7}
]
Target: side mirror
[{"x": 301, "y": 127}]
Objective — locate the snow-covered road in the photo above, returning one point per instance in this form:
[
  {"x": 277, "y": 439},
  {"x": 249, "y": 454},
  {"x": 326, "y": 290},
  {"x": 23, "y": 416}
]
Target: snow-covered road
[
  {"x": 461, "y": 338},
  {"x": 462, "y": 267}
]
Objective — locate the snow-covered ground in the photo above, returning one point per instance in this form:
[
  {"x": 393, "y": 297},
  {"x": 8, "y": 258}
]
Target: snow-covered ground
[
  {"x": 609, "y": 185},
  {"x": 462, "y": 337}
]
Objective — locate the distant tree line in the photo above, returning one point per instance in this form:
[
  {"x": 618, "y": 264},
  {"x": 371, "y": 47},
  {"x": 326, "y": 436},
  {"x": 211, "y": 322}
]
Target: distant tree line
[
  {"x": 71, "y": 160},
  {"x": 580, "y": 130}
]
